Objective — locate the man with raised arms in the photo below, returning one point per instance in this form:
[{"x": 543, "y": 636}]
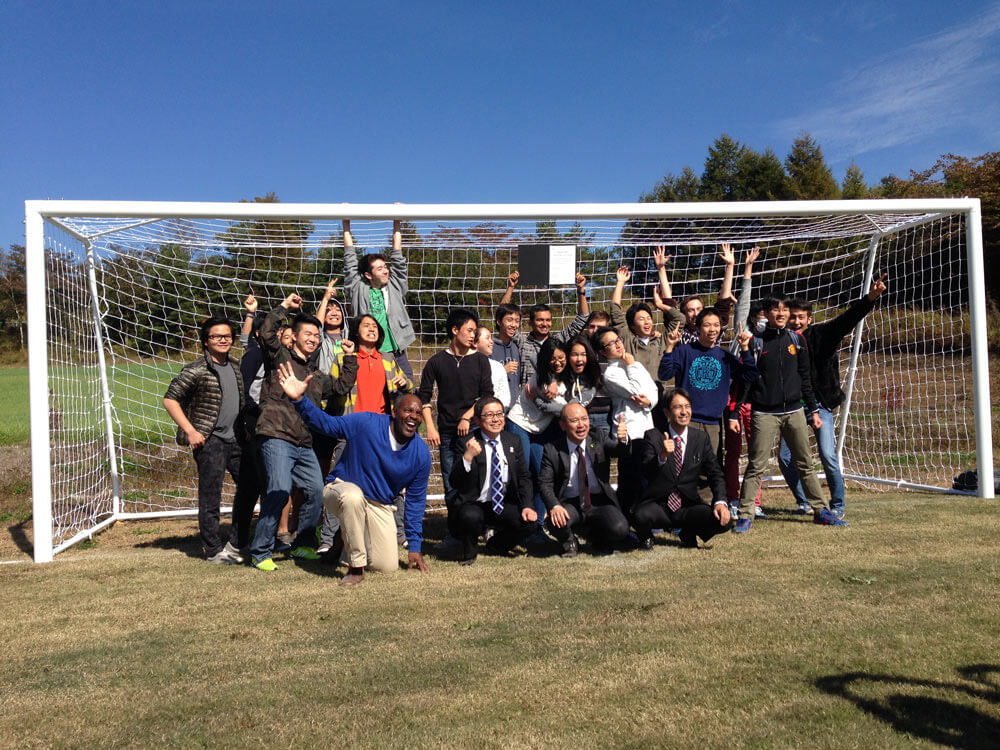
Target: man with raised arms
[{"x": 383, "y": 456}]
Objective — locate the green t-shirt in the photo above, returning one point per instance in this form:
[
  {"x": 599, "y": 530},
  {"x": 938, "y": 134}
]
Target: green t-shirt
[{"x": 377, "y": 309}]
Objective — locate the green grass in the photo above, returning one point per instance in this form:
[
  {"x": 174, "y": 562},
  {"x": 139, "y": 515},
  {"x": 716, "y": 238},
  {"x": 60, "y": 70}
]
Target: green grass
[
  {"x": 14, "y": 428},
  {"x": 881, "y": 635}
]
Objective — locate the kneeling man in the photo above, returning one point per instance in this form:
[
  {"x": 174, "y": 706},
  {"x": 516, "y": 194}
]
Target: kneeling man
[
  {"x": 383, "y": 456},
  {"x": 492, "y": 485},
  {"x": 672, "y": 463},
  {"x": 575, "y": 483}
]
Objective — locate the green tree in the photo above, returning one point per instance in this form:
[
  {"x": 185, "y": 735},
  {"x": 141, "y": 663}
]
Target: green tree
[
  {"x": 853, "y": 186},
  {"x": 13, "y": 294},
  {"x": 760, "y": 177},
  {"x": 809, "y": 177},
  {"x": 721, "y": 178},
  {"x": 672, "y": 188}
]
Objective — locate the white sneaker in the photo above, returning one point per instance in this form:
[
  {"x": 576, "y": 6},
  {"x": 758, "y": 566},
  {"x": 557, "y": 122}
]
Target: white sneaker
[{"x": 226, "y": 557}]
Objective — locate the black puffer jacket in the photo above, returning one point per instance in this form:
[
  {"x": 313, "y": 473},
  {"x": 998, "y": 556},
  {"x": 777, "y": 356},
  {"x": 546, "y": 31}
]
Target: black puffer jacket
[{"x": 198, "y": 390}]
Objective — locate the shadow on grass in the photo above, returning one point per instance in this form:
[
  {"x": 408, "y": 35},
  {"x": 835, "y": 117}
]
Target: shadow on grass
[
  {"x": 931, "y": 709},
  {"x": 190, "y": 544},
  {"x": 20, "y": 537}
]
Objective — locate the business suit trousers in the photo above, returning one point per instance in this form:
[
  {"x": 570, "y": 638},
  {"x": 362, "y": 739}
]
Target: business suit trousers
[
  {"x": 471, "y": 520},
  {"x": 368, "y": 527},
  {"x": 764, "y": 428},
  {"x": 604, "y": 526},
  {"x": 697, "y": 519}
]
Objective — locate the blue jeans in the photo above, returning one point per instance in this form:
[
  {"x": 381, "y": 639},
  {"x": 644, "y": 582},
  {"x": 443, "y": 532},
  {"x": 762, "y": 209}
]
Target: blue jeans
[
  {"x": 447, "y": 453},
  {"x": 286, "y": 464},
  {"x": 826, "y": 442}
]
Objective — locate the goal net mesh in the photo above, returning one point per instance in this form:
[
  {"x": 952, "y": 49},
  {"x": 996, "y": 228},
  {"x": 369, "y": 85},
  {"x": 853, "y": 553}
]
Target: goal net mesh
[{"x": 910, "y": 419}]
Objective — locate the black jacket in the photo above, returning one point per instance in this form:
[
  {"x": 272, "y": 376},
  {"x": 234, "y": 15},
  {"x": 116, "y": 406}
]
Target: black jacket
[
  {"x": 469, "y": 484},
  {"x": 823, "y": 340},
  {"x": 699, "y": 460},
  {"x": 553, "y": 478},
  {"x": 785, "y": 379}
]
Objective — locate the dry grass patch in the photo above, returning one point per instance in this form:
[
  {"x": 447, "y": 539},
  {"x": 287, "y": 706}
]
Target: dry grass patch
[{"x": 791, "y": 636}]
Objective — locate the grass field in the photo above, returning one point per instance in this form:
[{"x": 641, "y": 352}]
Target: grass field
[{"x": 881, "y": 635}]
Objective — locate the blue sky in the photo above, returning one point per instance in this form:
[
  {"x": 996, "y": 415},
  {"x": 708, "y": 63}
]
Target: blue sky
[{"x": 471, "y": 102}]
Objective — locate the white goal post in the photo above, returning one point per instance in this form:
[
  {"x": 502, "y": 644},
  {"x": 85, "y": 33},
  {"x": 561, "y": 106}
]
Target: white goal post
[{"x": 116, "y": 290}]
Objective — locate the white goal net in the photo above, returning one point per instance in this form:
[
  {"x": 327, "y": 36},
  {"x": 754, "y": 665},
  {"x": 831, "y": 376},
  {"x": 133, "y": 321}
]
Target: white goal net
[{"x": 124, "y": 288}]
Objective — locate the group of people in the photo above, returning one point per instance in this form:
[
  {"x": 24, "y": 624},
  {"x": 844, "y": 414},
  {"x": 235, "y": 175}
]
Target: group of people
[{"x": 319, "y": 422}]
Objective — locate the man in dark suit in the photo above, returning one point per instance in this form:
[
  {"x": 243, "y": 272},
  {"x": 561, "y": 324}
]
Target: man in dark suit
[
  {"x": 672, "y": 464},
  {"x": 574, "y": 482},
  {"x": 492, "y": 485}
]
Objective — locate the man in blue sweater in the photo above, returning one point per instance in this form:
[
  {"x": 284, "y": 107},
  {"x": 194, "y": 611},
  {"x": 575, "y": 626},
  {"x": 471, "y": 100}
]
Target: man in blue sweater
[
  {"x": 383, "y": 456},
  {"x": 706, "y": 371}
]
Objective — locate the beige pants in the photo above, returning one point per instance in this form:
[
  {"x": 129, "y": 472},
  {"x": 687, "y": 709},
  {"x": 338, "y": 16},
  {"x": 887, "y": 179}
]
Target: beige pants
[{"x": 368, "y": 527}]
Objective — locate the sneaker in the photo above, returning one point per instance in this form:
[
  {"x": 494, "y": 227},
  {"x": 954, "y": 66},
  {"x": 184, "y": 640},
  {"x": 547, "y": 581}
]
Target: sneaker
[
  {"x": 267, "y": 564},
  {"x": 838, "y": 512},
  {"x": 305, "y": 553},
  {"x": 805, "y": 509},
  {"x": 758, "y": 512},
  {"x": 322, "y": 549},
  {"x": 230, "y": 549},
  {"x": 222, "y": 557},
  {"x": 742, "y": 526},
  {"x": 404, "y": 543},
  {"x": 828, "y": 518}
]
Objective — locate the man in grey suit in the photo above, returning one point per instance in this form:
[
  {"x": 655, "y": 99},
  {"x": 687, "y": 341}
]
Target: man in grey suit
[
  {"x": 379, "y": 290},
  {"x": 492, "y": 485},
  {"x": 672, "y": 464},
  {"x": 575, "y": 485}
]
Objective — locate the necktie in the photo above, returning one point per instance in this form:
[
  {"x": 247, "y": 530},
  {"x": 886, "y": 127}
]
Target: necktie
[
  {"x": 584, "y": 483},
  {"x": 496, "y": 479},
  {"x": 674, "y": 499}
]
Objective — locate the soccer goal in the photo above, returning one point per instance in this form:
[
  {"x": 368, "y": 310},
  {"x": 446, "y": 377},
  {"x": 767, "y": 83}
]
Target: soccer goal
[{"x": 116, "y": 291}]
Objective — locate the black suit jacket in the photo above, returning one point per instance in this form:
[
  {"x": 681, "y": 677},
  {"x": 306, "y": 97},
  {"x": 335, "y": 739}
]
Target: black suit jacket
[
  {"x": 699, "y": 460},
  {"x": 554, "y": 475},
  {"x": 469, "y": 484}
]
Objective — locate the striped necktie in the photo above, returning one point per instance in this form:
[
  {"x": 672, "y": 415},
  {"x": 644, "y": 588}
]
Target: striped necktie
[
  {"x": 496, "y": 479},
  {"x": 674, "y": 499}
]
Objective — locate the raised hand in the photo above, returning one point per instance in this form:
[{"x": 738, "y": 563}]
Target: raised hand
[
  {"x": 727, "y": 254},
  {"x": 292, "y": 302},
  {"x": 290, "y": 384},
  {"x": 752, "y": 254},
  {"x": 623, "y": 274},
  {"x": 250, "y": 304},
  {"x": 660, "y": 256},
  {"x": 347, "y": 346},
  {"x": 673, "y": 338},
  {"x": 658, "y": 300},
  {"x": 581, "y": 283},
  {"x": 513, "y": 278},
  {"x": 668, "y": 446},
  {"x": 878, "y": 286},
  {"x": 472, "y": 449},
  {"x": 331, "y": 289},
  {"x": 743, "y": 336}
]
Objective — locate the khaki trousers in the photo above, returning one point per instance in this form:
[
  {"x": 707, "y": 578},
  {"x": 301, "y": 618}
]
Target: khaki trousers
[
  {"x": 368, "y": 527},
  {"x": 764, "y": 428}
]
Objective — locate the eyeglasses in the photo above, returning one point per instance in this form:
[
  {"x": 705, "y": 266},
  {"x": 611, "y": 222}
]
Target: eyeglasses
[
  {"x": 613, "y": 342},
  {"x": 220, "y": 337},
  {"x": 491, "y": 414}
]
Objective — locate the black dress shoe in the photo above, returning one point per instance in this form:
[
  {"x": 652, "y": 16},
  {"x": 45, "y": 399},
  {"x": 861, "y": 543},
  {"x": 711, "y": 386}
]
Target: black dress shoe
[
  {"x": 688, "y": 539},
  {"x": 570, "y": 547}
]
